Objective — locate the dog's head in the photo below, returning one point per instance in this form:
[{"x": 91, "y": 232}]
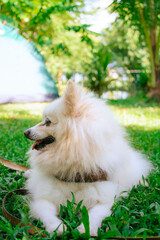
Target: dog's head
[{"x": 58, "y": 119}]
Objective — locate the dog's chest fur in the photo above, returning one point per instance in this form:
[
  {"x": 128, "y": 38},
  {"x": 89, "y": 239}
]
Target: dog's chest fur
[{"x": 58, "y": 191}]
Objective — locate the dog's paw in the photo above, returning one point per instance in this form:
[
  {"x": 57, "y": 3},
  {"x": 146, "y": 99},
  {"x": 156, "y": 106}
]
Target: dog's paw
[
  {"x": 93, "y": 230},
  {"x": 52, "y": 227},
  {"x": 81, "y": 228},
  {"x": 60, "y": 230}
]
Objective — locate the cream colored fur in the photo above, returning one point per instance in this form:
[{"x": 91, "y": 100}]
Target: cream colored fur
[{"x": 87, "y": 137}]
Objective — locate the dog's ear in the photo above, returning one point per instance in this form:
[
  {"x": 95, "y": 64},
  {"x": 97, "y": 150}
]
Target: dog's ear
[{"x": 71, "y": 98}]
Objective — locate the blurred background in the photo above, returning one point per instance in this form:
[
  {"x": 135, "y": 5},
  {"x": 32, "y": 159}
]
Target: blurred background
[{"x": 110, "y": 47}]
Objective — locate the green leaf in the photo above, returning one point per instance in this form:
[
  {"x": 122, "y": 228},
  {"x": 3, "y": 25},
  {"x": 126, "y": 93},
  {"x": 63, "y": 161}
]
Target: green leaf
[
  {"x": 109, "y": 234},
  {"x": 139, "y": 231},
  {"x": 85, "y": 221}
]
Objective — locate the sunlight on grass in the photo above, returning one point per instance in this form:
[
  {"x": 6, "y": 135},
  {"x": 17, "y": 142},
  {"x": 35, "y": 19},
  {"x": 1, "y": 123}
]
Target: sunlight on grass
[
  {"x": 21, "y": 111},
  {"x": 146, "y": 118}
]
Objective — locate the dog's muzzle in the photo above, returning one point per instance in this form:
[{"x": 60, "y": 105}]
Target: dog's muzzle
[{"x": 40, "y": 143}]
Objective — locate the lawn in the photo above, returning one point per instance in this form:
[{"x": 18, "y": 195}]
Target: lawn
[{"x": 135, "y": 215}]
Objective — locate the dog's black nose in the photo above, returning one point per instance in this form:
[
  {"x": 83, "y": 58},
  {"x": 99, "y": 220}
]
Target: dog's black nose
[{"x": 27, "y": 133}]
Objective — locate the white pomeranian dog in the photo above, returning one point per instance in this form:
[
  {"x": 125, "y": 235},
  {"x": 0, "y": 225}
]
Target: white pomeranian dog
[{"x": 80, "y": 148}]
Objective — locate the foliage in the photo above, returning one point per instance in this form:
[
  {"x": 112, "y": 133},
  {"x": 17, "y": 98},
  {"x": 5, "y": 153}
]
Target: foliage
[
  {"x": 35, "y": 17},
  {"x": 145, "y": 17},
  {"x": 140, "y": 81},
  {"x": 55, "y": 28},
  {"x": 127, "y": 50},
  {"x": 64, "y": 57},
  {"x": 129, "y": 53},
  {"x": 96, "y": 70},
  {"x": 128, "y": 212},
  {"x": 135, "y": 215}
]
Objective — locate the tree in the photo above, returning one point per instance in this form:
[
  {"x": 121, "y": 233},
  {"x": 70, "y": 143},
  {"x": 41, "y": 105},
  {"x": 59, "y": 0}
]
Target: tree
[
  {"x": 144, "y": 15},
  {"x": 96, "y": 71},
  {"x": 54, "y": 27},
  {"x": 35, "y": 17},
  {"x": 128, "y": 52}
]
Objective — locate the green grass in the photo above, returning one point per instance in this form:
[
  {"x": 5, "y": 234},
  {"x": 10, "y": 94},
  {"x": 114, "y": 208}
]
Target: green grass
[{"x": 135, "y": 215}]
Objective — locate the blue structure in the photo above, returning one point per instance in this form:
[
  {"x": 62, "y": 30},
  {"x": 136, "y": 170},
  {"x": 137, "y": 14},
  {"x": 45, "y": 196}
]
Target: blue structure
[{"x": 23, "y": 74}]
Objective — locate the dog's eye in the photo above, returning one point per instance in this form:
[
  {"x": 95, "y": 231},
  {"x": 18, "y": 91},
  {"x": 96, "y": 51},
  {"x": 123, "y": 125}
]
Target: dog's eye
[{"x": 47, "y": 122}]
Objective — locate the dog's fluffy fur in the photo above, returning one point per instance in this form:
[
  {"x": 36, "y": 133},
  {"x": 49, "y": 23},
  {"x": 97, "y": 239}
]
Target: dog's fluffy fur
[{"x": 87, "y": 138}]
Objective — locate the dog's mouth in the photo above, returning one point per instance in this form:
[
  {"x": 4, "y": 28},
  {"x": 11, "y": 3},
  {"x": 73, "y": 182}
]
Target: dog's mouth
[{"x": 39, "y": 144}]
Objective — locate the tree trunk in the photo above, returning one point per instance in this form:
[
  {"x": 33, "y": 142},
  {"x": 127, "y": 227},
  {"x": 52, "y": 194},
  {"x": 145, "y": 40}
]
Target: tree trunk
[
  {"x": 157, "y": 59},
  {"x": 157, "y": 74},
  {"x": 155, "y": 92},
  {"x": 155, "y": 38},
  {"x": 149, "y": 38}
]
